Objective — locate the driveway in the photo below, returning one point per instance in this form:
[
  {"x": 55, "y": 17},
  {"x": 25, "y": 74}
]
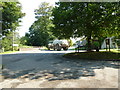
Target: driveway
[{"x": 48, "y": 69}]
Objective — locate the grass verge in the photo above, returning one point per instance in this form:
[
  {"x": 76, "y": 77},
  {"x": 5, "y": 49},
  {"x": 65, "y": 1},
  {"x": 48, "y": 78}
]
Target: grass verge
[
  {"x": 8, "y": 52},
  {"x": 102, "y": 55},
  {"x": 26, "y": 46}
]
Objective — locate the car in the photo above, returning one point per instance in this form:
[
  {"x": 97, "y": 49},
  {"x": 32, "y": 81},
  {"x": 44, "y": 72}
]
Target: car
[
  {"x": 58, "y": 45},
  {"x": 50, "y": 45}
]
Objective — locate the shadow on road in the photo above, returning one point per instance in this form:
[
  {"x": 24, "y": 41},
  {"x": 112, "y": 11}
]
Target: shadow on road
[{"x": 50, "y": 65}]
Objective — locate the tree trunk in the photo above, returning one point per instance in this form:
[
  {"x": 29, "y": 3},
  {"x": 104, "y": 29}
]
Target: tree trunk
[{"x": 89, "y": 43}]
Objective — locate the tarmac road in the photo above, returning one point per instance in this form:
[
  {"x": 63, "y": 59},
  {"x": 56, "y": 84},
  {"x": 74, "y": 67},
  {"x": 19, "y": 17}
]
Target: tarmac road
[
  {"x": 50, "y": 65},
  {"x": 27, "y": 60}
]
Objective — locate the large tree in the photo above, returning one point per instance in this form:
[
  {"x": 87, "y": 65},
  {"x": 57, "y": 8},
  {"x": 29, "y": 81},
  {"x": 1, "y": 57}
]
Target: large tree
[
  {"x": 89, "y": 19},
  {"x": 40, "y": 31},
  {"x": 11, "y": 16}
]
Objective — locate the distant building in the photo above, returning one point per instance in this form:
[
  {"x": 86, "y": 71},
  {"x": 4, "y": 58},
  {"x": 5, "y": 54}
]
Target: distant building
[{"x": 113, "y": 45}]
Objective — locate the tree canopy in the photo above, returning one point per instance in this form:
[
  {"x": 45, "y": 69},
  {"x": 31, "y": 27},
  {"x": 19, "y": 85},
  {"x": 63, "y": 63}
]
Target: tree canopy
[
  {"x": 40, "y": 31},
  {"x": 89, "y": 19},
  {"x": 11, "y": 16}
]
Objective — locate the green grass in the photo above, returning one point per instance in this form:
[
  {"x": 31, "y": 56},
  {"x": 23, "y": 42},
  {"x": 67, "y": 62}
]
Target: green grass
[
  {"x": 79, "y": 49},
  {"x": 102, "y": 55},
  {"x": 115, "y": 50},
  {"x": 8, "y": 52},
  {"x": 26, "y": 46}
]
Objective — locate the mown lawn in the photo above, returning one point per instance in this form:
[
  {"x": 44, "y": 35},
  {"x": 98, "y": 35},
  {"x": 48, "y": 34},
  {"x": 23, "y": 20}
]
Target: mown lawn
[{"x": 102, "y": 55}]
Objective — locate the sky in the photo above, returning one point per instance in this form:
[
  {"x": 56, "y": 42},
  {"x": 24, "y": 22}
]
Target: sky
[{"x": 28, "y": 7}]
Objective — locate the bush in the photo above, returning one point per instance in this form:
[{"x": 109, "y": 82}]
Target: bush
[
  {"x": 7, "y": 44},
  {"x": 96, "y": 46}
]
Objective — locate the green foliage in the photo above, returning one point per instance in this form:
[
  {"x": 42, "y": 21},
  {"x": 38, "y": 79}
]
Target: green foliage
[
  {"x": 40, "y": 31},
  {"x": 70, "y": 42},
  {"x": 23, "y": 40},
  {"x": 11, "y": 14},
  {"x": 8, "y": 41},
  {"x": 96, "y": 44},
  {"x": 89, "y": 19}
]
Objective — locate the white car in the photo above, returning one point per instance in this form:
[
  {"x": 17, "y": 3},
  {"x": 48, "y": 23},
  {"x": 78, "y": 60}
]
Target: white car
[{"x": 59, "y": 44}]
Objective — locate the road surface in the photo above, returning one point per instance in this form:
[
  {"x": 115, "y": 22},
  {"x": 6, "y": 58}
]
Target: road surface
[{"x": 48, "y": 69}]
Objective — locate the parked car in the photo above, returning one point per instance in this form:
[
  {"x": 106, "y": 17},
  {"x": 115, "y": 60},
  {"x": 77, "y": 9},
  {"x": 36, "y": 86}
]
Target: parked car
[
  {"x": 58, "y": 45},
  {"x": 50, "y": 45},
  {"x": 81, "y": 43}
]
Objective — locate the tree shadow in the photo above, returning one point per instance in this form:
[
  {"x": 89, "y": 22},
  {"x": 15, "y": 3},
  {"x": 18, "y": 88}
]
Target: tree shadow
[{"x": 50, "y": 65}]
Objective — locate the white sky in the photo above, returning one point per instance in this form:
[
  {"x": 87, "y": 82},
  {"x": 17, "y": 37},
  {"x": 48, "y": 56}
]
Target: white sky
[{"x": 28, "y": 7}]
